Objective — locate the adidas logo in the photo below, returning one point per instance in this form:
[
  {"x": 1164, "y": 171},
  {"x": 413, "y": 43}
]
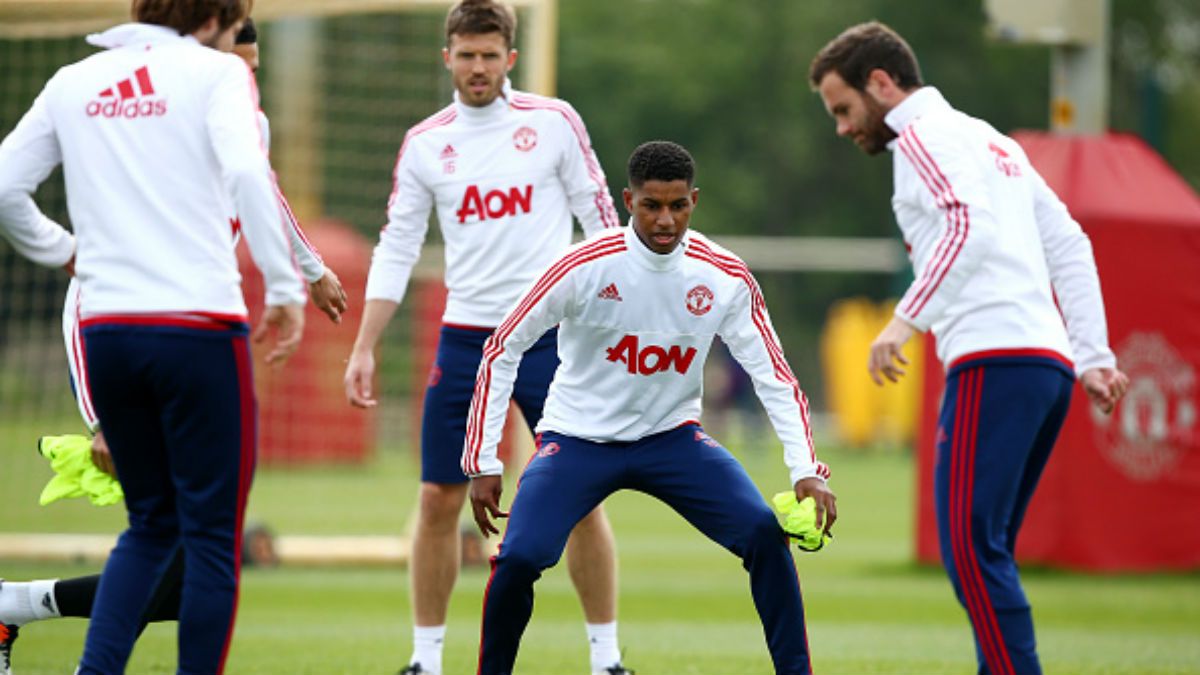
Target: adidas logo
[
  {"x": 610, "y": 292},
  {"x": 125, "y": 87},
  {"x": 448, "y": 152},
  {"x": 124, "y": 100}
]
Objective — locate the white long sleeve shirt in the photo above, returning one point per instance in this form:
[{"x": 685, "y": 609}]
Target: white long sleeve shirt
[
  {"x": 308, "y": 259},
  {"x": 504, "y": 179},
  {"x": 635, "y": 328},
  {"x": 992, "y": 246},
  {"x": 160, "y": 148}
]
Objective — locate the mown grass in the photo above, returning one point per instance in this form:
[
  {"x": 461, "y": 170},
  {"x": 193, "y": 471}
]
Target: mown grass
[{"x": 685, "y": 605}]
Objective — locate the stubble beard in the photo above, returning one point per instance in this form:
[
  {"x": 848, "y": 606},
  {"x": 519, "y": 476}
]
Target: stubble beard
[
  {"x": 493, "y": 92},
  {"x": 878, "y": 133}
]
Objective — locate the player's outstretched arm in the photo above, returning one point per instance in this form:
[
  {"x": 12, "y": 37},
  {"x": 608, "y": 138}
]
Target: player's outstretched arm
[
  {"x": 329, "y": 296},
  {"x": 826, "y": 501},
  {"x": 751, "y": 338},
  {"x": 485, "y": 502}
]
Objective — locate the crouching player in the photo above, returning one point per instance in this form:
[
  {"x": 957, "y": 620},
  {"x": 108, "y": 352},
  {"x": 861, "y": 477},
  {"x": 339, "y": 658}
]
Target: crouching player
[{"x": 637, "y": 309}]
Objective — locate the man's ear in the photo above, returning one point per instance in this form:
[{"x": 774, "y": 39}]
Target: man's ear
[
  {"x": 627, "y": 196},
  {"x": 881, "y": 86},
  {"x": 207, "y": 30}
]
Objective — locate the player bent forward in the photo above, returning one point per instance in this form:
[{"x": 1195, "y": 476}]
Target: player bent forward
[{"x": 637, "y": 309}]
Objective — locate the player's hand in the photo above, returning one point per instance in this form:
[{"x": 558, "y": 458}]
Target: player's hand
[
  {"x": 288, "y": 322},
  {"x": 1104, "y": 386},
  {"x": 885, "y": 351},
  {"x": 101, "y": 457},
  {"x": 360, "y": 371},
  {"x": 69, "y": 266},
  {"x": 485, "y": 502},
  {"x": 826, "y": 501},
  {"x": 328, "y": 296}
]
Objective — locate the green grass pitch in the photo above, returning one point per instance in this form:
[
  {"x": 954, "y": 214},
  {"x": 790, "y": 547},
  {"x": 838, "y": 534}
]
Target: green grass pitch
[{"x": 684, "y": 602}]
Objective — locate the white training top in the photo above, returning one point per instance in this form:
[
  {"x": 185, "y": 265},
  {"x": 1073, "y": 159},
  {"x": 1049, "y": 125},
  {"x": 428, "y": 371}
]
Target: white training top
[
  {"x": 311, "y": 265},
  {"x": 991, "y": 243},
  {"x": 160, "y": 148},
  {"x": 505, "y": 179},
  {"x": 635, "y": 330}
]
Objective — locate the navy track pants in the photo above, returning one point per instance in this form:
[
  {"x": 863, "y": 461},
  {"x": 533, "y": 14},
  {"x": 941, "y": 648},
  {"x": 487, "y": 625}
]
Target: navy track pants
[
  {"x": 686, "y": 469},
  {"x": 999, "y": 420},
  {"x": 176, "y": 405}
]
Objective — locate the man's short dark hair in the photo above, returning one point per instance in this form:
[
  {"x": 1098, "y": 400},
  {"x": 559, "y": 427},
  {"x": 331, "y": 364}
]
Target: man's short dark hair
[
  {"x": 863, "y": 48},
  {"x": 248, "y": 35},
  {"x": 660, "y": 160},
  {"x": 188, "y": 16},
  {"x": 480, "y": 17}
]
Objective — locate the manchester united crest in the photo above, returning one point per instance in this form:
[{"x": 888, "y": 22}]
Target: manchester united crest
[
  {"x": 1152, "y": 427},
  {"x": 525, "y": 139},
  {"x": 699, "y": 300}
]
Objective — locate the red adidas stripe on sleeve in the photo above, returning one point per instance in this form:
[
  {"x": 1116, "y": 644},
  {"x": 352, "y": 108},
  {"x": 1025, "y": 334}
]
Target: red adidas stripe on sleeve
[{"x": 599, "y": 248}]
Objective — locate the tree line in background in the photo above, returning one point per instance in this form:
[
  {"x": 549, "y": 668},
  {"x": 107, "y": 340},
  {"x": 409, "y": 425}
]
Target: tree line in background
[{"x": 729, "y": 81}]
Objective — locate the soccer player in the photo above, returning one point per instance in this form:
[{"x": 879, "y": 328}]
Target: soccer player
[
  {"x": 505, "y": 170},
  {"x": 993, "y": 248},
  {"x": 160, "y": 148},
  {"x": 25, "y": 602},
  {"x": 637, "y": 309}
]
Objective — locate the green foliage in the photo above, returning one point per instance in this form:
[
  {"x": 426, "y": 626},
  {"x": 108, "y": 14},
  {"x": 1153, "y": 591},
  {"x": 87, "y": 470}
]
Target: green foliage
[
  {"x": 730, "y": 82},
  {"x": 1156, "y": 77}
]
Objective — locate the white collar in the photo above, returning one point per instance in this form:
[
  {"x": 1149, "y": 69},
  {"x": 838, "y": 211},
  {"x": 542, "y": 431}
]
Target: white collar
[
  {"x": 658, "y": 262},
  {"x": 128, "y": 34},
  {"x": 484, "y": 113},
  {"x": 918, "y": 103}
]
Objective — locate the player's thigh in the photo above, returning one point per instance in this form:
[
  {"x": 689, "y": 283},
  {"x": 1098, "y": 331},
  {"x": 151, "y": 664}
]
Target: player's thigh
[
  {"x": 698, "y": 478},
  {"x": 448, "y": 395},
  {"x": 209, "y": 423},
  {"x": 118, "y": 365},
  {"x": 564, "y": 481},
  {"x": 1001, "y": 413}
]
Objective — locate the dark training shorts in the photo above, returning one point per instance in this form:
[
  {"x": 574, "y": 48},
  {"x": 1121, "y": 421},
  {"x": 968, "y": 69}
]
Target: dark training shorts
[{"x": 452, "y": 384}]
